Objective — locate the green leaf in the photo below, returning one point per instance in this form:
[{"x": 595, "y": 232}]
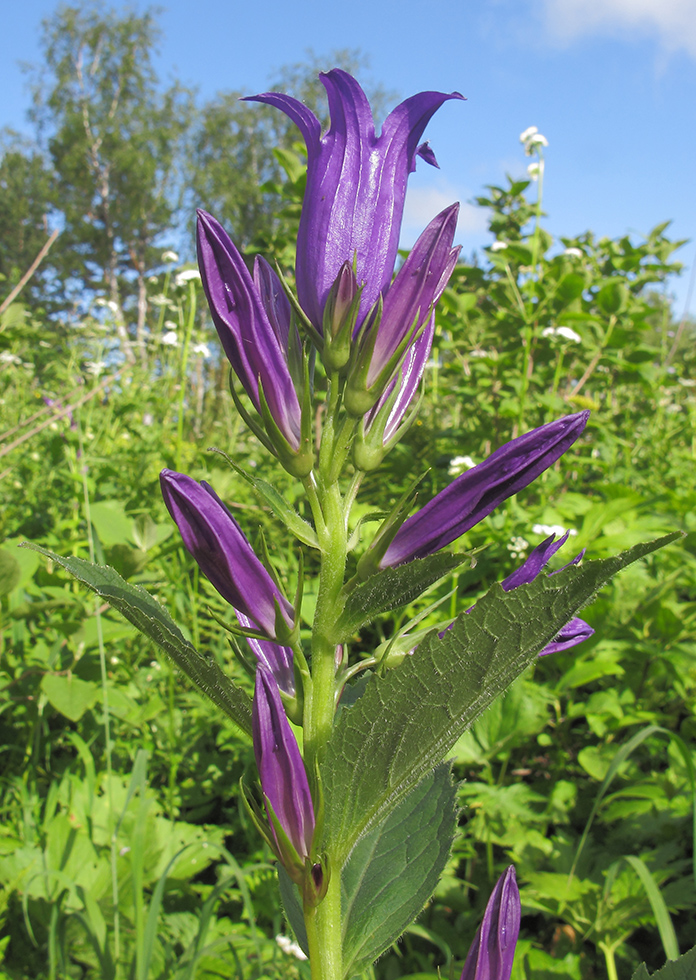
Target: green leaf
[
  {"x": 407, "y": 721},
  {"x": 392, "y": 871},
  {"x": 147, "y": 615},
  {"x": 10, "y": 572},
  {"x": 69, "y": 695},
  {"x": 392, "y": 588},
  {"x": 113, "y": 525},
  {"x": 303, "y": 531},
  {"x": 612, "y": 297},
  {"x": 569, "y": 288},
  {"x": 682, "y": 969},
  {"x": 657, "y": 903}
]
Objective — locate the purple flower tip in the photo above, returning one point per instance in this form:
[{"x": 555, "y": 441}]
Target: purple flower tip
[{"x": 493, "y": 949}]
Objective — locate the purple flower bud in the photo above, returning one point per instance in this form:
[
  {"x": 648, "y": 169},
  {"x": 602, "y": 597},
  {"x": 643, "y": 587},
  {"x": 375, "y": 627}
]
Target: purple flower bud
[
  {"x": 419, "y": 283},
  {"x": 474, "y": 494},
  {"x": 493, "y": 949},
  {"x": 577, "y": 629},
  {"x": 253, "y": 335},
  {"x": 278, "y": 659},
  {"x": 281, "y": 771},
  {"x": 356, "y": 186},
  {"x": 224, "y": 555}
]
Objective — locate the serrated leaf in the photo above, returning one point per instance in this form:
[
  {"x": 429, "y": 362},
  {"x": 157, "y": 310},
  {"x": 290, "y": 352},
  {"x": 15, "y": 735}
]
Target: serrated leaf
[
  {"x": 152, "y": 619},
  {"x": 406, "y": 722},
  {"x": 392, "y": 588},
  {"x": 682, "y": 969},
  {"x": 392, "y": 871}
]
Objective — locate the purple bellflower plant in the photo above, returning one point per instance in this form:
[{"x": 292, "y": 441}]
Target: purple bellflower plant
[
  {"x": 356, "y": 186},
  {"x": 284, "y": 783},
  {"x": 224, "y": 555},
  {"x": 493, "y": 950},
  {"x": 476, "y": 493}
]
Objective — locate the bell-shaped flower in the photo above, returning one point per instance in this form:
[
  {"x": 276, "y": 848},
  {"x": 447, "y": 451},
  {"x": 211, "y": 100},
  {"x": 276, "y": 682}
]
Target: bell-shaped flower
[
  {"x": 478, "y": 491},
  {"x": 577, "y": 629},
  {"x": 284, "y": 783},
  {"x": 356, "y": 186},
  {"x": 252, "y": 318},
  {"x": 406, "y": 308},
  {"x": 224, "y": 555},
  {"x": 493, "y": 950}
]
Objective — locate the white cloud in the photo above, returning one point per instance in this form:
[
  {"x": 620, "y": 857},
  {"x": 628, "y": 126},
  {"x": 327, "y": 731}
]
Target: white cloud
[
  {"x": 674, "y": 21},
  {"x": 423, "y": 203}
]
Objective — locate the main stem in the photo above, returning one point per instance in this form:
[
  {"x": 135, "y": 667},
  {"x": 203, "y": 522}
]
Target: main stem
[{"x": 324, "y": 922}]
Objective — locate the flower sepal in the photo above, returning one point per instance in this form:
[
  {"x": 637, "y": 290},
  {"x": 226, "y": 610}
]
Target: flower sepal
[
  {"x": 298, "y": 462},
  {"x": 370, "y": 446},
  {"x": 359, "y": 397},
  {"x": 369, "y": 563}
]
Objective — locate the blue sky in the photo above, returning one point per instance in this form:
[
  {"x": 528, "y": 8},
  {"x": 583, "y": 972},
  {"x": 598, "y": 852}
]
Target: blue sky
[{"x": 610, "y": 83}]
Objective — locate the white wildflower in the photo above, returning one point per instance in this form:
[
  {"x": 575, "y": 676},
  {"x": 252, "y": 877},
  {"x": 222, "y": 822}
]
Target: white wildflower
[
  {"x": 95, "y": 368},
  {"x": 201, "y": 349},
  {"x": 517, "y": 547},
  {"x": 160, "y": 300},
  {"x": 169, "y": 256},
  {"x": 482, "y": 353},
  {"x": 183, "y": 277},
  {"x": 547, "y": 529},
  {"x": 498, "y": 246},
  {"x": 686, "y": 382},
  {"x": 535, "y": 170},
  {"x": 576, "y": 253},
  {"x": 169, "y": 339},
  {"x": 290, "y": 947},
  {"x": 171, "y": 325},
  {"x": 534, "y": 142},
  {"x": 148, "y": 418},
  {"x": 528, "y": 133},
  {"x": 460, "y": 463},
  {"x": 566, "y": 332},
  {"x": 7, "y": 357}
]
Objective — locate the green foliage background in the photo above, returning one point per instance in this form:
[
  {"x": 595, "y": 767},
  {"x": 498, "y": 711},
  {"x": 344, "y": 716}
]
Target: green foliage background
[{"x": 124, "y": 851}]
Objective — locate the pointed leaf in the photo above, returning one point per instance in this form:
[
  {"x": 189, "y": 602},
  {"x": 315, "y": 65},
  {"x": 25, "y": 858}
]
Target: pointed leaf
[
  {"x": 392, "y": 588},
  {"x": 392, "y": 871},
  {"x": 407, "y": 721},
  {"x": 292, "y": 906},
  {"x": 147, "y": 615}
]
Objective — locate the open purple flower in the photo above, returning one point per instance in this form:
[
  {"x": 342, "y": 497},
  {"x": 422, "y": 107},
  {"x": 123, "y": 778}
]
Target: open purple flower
[
  {"x": 577, "y": 629},
  {"x": 252, "y": 318},
  {"x": 223, "y": 553},
  {"x": 474, "y": 494},
  {"x": 356, "y": 186},
  {"x": 282, "y": 773},
  {"x": 493, "y": 950}
]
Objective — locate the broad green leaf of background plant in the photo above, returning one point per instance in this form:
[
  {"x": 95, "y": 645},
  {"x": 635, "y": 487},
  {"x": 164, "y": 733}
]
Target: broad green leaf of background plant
[
  {"x": 407, "y": 721},
  {"x": 147, "y": 615}
]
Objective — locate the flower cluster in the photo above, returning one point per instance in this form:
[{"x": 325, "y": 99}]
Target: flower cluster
[{"x": 372, "y": 330}]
